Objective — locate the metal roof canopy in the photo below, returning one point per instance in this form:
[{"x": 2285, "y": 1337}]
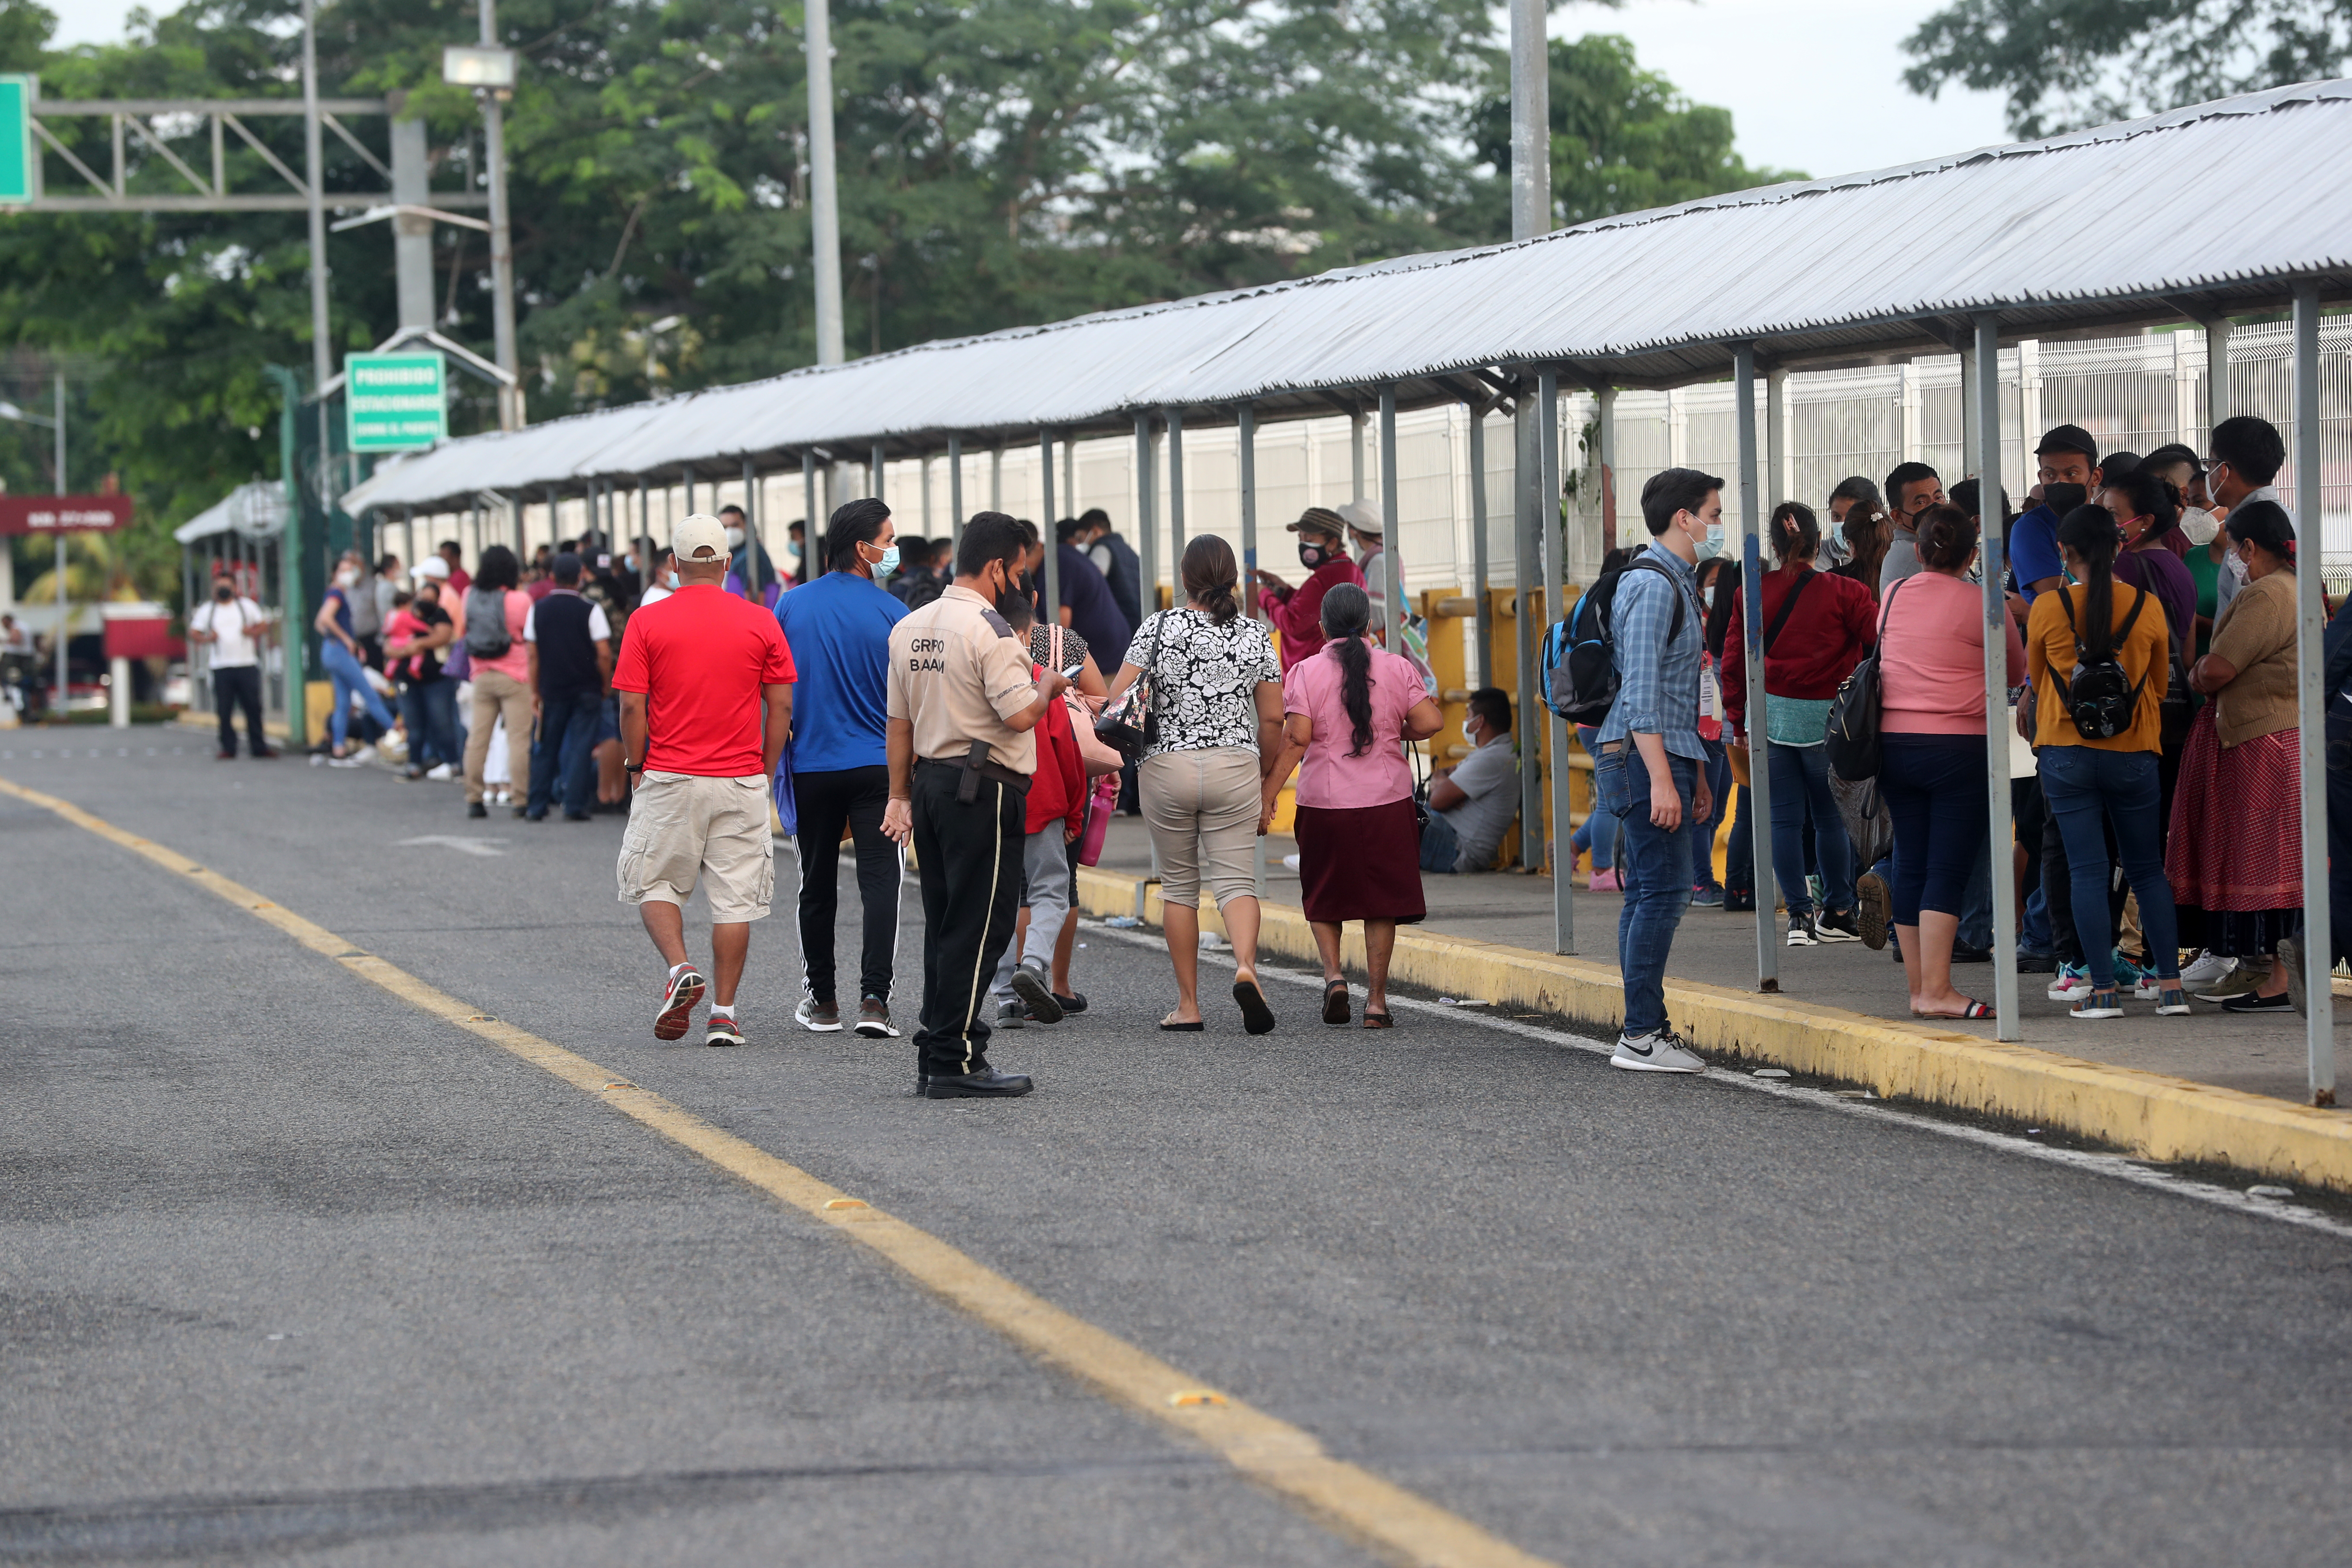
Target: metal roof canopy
[{"x": 1813, "y": 274}]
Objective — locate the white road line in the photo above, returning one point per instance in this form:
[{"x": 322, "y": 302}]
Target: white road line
[{"x": 2116, "y": 1167}]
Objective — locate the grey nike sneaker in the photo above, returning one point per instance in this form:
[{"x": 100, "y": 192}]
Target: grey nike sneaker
[
  {"x": 1657, "y": 1051},
  {"x": 873, "y": 1020},
  {"x": 1012, "y": 1015}
]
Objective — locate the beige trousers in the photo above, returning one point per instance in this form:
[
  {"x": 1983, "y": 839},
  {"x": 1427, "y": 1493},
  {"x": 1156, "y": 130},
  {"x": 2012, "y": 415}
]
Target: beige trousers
[
  {"x": 497, "y": 693},
  {"x": 1203, "y": 810}
]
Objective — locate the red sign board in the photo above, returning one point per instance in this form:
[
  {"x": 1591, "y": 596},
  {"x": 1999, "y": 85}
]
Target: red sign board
[{"x": 70, "y": 514}]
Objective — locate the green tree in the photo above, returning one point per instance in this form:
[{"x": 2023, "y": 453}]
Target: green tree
[
  {"x": 2066, "y": 64},
  {"x": 1623, "y": 138}
]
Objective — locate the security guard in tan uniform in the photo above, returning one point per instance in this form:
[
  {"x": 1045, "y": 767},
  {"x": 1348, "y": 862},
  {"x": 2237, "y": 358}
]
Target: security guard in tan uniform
[{"x": 962, "y": 706}]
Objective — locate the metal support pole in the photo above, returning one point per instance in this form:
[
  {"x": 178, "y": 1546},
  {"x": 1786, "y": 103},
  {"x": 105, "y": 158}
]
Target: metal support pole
[
  {"x": 873, "y": 472},
  {"x": 1531, "y": 121},
  {"x": 1563, "y": 865},
  {"x": 2007, "y": 1025},
  {"x": 1393, "y": 611},
  {"x": 2217, "y": 372},
  {"x": 1246, "y": 443},
  {"x": 1070, "y": 478},
  {"x": 1045, "y": 529},
  {"x": 755, "y": 528},
  {"x": 2311, "y": 626},
  {"x": 955, "y": 496},
  {"x": 1776, "y": 486},
  {"x": 1146, "y": 525},
  {"x": 60, "y": 637},
  {"x": 687, "y": 474},
  {"x": 502, "y": 315},
  {"x": 1245, "y": 448},
  {"x": 824, "y": 194},
  {"x": 1759, "y": 770},
  {"x": 1176, "y": 498},
  {"x": 1608, "y": 422},
  {"x": 1356, "y": 456},
  {"x": 810, "y": 521},
  {"x": 1534, "y": 714},
  {"x": 1482, "y": 662},
  {"x": 996, "y": 478}
]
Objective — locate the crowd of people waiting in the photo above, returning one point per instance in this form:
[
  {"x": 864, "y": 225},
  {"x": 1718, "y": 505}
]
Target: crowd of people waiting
[{"x": 2151, "y": 657}]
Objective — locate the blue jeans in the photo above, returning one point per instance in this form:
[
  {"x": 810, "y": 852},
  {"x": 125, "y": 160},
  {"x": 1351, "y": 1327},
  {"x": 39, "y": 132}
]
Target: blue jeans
[
  {"x": 1657, "y": 868},
  {"x": 348, "y": 675},
  {"x": 1740, "y": 855},
  {"x": 1599, "y": 833},
  {"x": 567, "y": 730},
  {"x": 431, "y": 708},
  {"x": 2083, "y": 786},
  {"x": 1800, "y": 776},
  {"x": 1440, "y": 846}
]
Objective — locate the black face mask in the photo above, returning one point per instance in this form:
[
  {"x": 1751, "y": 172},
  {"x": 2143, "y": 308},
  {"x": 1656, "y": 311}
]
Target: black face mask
[
  {"x": 1312, "y": 555},
  {"x": 2063, "y": 499},
  {"x": 224, "y": 593}
]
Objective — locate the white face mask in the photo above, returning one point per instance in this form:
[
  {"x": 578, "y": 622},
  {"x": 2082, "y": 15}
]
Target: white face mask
[
  {"x": 734, "y": 538},
  {"x": 347, "y": 578},
  {"x": 2236, "y": 565}
]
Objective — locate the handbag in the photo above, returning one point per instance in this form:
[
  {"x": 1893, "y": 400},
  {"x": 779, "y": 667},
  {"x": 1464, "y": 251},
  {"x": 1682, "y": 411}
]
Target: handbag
[
  {"x": 1098, "y": 756},
  {"x": 1855, "y": 745},
  {"x": 1128, "y": 725}
]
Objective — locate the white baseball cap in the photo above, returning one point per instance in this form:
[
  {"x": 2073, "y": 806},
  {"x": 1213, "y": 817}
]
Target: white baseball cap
[
  {"x": 696, "y": 534},
  {"x": 433, "y": 566},
  {"x": 1364, "y": 517}
]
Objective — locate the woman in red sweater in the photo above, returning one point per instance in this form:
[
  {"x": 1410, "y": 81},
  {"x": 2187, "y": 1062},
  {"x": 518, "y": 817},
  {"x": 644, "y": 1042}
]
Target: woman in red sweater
[
  {"x": 1057, "y": 815},
  {"x": 1817, "y": 627}
]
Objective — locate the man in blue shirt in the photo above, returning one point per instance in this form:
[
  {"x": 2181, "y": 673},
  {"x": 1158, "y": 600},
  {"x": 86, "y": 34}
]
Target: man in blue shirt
[
  {"x": 838, "y": 628},
  {"x": 1651, "y": 770},
  {"x": 2066, "y": 456}
]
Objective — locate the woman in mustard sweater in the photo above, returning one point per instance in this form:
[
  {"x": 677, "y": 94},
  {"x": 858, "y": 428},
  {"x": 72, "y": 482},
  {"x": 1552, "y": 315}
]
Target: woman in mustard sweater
[{"x": 2098, "y": 758}]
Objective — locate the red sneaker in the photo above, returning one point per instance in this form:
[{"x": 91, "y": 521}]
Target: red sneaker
[{"x": 679, "y": 999}]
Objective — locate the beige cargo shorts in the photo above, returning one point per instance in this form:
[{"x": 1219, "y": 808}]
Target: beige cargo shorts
[{"x": 684, "y": 828}]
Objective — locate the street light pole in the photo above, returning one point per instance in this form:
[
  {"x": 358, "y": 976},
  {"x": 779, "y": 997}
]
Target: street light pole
[
  {"x": 58, "y": 707},
  {"x": 322, "y": 363},
  {"x": 502, "y": 317},
  {"x": 824, "y": 197}
]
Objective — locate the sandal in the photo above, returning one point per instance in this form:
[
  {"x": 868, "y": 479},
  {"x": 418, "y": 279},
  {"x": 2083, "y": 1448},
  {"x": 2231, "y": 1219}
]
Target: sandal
[
  {"x": 1377, "y": 1020},
  {"x": 1257, "y": 1019},
  {"x": 1973, "y": 1010},
  {"x": 1336, "y": 1007}
]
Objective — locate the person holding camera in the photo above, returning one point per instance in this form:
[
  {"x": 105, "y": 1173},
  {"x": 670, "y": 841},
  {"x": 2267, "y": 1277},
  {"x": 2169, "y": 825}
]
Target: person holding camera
[{"x": 236, "y": 630}]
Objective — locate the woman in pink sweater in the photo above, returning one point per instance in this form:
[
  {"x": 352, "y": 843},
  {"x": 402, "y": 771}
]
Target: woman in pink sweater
[{"x": 1931, "y": 653}]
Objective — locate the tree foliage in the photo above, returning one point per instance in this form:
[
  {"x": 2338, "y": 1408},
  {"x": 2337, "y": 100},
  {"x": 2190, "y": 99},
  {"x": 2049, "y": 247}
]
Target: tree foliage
[
  {"x": 2066, "y": 64},
  {"x": 1002, "y": 161}
]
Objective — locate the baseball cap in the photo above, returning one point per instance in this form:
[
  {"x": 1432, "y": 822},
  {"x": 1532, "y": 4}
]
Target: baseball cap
[
  {"x": 1364, "y": 517},
  {"x": 2069, "y": 439},
  {"x": 433, "y": 566},
  {"x": 697, "y": 532}
]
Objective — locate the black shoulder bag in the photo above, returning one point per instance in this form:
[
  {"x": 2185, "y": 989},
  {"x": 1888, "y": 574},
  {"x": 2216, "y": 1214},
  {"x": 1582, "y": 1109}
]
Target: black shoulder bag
[
  {"x": 1130, "y": 723},
  {"x": 1854, "y": 740}
]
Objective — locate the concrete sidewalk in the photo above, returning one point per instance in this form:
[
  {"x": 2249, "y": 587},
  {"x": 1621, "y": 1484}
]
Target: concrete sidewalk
[{"x": 2213, "y": 1087}]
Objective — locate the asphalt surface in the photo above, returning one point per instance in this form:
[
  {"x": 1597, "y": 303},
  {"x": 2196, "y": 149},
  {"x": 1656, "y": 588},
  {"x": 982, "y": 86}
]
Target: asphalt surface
[{"x": 290, "y": 1272}]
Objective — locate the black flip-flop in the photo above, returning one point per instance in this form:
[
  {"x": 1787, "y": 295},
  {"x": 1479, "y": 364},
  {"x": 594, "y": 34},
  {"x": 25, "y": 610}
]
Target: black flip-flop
[
  {"x": 1337, "y": 1009},
  {"x": 1257, "y": 1019},
  {"x": 1194, "y": 1028}
]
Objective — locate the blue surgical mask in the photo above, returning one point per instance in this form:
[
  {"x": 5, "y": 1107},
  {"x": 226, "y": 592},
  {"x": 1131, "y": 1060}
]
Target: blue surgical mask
[
  {"x": 671, "y": 583},
  {"x": 1714, "y": 545},
  {"x": 888, "y": 564}
]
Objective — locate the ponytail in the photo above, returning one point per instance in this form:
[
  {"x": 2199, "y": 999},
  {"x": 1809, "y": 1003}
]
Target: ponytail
[
  {"x": 2091, "y": 533},
  {"x": 1347, "y": 614}
]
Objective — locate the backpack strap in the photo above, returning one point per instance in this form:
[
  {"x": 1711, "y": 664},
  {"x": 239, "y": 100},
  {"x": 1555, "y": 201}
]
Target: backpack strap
[{"x": 1644, "y": 564}]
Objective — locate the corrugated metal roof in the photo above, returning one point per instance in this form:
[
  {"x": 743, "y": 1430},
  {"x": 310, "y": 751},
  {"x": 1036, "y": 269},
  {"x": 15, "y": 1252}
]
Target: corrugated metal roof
[{"x": 2070, "y": 232}]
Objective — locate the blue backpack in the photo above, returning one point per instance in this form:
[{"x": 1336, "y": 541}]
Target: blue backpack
[{"x": 1578, "y": 661}]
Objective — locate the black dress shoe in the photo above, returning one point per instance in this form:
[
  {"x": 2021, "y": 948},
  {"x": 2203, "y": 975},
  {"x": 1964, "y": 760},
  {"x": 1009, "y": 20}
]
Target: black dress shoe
[
  {"x": 2032, "y": 962},
  {"x": 478, "y": 809},
  {"x": 986, "y": 1084},
  {"x": 1963, "y": 953},
  {"x": 579, "y": 817},
  {"x": 1739, "y": 903}
]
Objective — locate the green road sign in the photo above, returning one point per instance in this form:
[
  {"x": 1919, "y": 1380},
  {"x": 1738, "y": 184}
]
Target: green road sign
[
  {"x": 395, "y": 401},
  {"x": 16, "y": 153}
]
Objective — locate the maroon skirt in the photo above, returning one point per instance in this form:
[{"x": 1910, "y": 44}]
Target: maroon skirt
[{"x": 1359, "y": 862}]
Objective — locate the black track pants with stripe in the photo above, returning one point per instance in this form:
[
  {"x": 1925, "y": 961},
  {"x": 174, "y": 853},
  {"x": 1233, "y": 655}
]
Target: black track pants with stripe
[
  {"x": 969, "y": 858},
  {"x": 851, "y": 797}
]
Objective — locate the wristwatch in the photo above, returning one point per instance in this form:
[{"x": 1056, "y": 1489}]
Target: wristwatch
[{"x": 629, "y": 767}]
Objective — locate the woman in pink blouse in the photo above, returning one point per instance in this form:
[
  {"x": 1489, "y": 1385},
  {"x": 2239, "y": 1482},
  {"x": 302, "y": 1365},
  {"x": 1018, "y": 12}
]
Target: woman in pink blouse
[{"x": 1350, "y": 709}]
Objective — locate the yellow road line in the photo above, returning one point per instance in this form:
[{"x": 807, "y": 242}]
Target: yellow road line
[{"x": 1285, "y": 1459}]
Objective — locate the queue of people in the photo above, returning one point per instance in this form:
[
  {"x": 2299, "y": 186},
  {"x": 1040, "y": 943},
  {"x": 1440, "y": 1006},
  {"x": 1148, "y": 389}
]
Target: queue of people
[{"x": 2151, "y": 664}]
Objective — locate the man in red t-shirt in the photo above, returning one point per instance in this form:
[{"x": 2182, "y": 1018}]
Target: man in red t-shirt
[{"x": 706, "y": 687}]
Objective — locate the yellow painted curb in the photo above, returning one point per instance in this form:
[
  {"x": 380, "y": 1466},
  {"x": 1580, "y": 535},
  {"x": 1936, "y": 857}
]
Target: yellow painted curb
[{"x": 2154, "y": 1116}]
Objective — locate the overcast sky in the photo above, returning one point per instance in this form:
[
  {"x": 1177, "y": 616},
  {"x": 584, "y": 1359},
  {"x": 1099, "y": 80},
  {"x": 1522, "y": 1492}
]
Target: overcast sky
[{"x": 1810, "y": 84}]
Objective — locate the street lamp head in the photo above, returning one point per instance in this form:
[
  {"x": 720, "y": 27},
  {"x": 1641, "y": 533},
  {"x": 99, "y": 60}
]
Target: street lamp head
[{"x": 464, "y": 64}]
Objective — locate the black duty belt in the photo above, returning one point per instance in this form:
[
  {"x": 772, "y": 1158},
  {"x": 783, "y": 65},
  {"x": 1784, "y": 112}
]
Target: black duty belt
[{"x": 974, "y": 767}]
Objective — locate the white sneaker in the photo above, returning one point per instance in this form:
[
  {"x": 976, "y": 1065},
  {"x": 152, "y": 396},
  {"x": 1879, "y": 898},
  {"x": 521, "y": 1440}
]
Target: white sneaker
[
  {"x": 1657, "y": 1051},
  {"x": 439, "y": 773},
  {"x": 2072, "y": 983},
  {"x": 816, "y": 1019},
  {"x": 2206, "y": 969},
  {"x": 351, "y": 761},
  {"x": 365, "y": 755}
]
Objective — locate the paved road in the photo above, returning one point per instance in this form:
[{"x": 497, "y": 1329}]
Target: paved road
[{"x": 289, "y": 1270}]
